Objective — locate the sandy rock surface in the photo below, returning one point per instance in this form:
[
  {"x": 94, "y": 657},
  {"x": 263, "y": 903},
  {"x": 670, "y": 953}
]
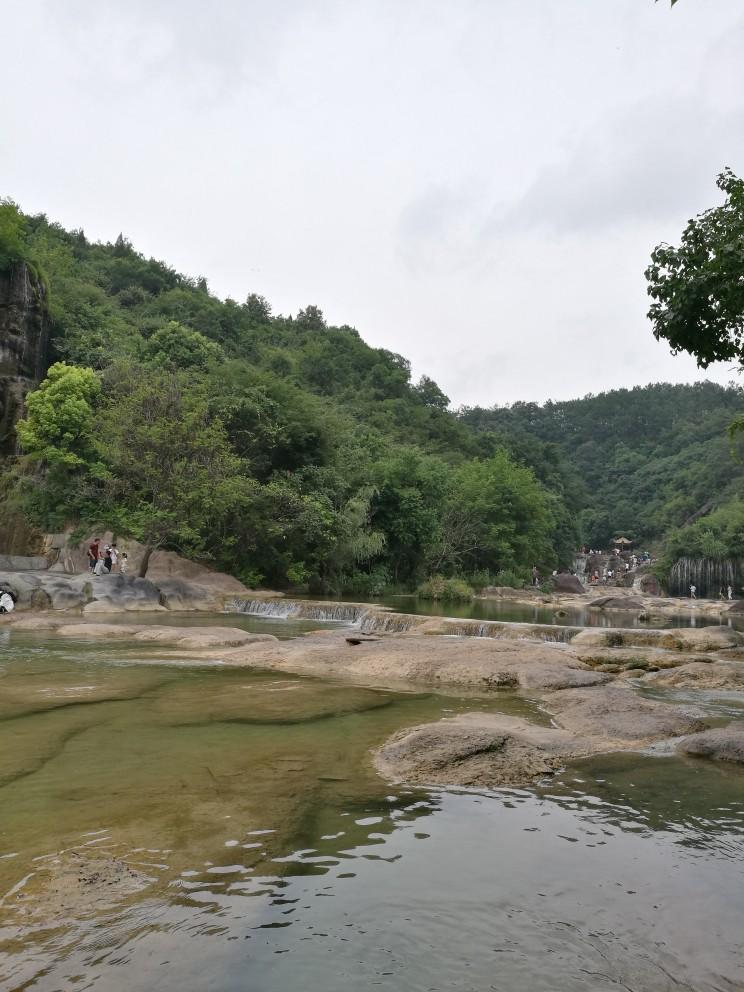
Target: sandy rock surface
[{"x": 477, "y": 662}]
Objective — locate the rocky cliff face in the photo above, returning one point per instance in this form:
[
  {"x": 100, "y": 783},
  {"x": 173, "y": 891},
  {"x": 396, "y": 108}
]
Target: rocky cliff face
[{"x": 24, "y": 342}]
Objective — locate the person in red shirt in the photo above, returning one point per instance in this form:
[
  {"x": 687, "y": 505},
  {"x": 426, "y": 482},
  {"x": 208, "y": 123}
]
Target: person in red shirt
[{"x": 93, "y": 553}]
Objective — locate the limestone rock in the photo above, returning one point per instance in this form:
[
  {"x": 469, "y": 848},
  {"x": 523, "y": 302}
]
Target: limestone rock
[
  {"x": 717, "y": 675},
  {"x": 721, "y": 743},
  {"x": 682, "y": 639},
  {"x": 476, "y": 749},
  {"x": 620, "y": 716}
]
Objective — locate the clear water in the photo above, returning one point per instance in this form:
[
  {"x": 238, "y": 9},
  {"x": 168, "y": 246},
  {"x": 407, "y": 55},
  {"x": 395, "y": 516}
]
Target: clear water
[{"x": 268, "y": 855}]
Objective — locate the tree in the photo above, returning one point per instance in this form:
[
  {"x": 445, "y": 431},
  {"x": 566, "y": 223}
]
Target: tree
[
  {"x": 58, "y": 428},
  {"x": 698, "y": 287},
  {"x": 12, "y": 228},
  {"x": 173, "y": 474},
  {"x": 174, "y": 346},
  {"x": 431, "y": 394}
]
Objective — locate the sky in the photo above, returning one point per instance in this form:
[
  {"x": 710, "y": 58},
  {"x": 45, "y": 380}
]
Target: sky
[{"x": 475, "y": 184}]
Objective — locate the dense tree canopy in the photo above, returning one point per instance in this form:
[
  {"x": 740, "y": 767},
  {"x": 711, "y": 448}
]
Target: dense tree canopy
[{"x": 280, "y": 447}]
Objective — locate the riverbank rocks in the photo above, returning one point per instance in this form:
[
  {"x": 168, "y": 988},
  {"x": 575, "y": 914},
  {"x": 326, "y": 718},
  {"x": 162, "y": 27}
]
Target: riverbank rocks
[
  {"x": 720, "y": 744},
  {"x": 115, "y": 593}
]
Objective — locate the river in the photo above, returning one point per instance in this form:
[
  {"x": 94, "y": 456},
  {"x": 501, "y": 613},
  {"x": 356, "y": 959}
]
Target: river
[{"x": 256, "y": 849}]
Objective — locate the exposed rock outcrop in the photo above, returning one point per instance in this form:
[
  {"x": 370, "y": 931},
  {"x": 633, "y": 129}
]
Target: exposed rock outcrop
[
  {"x": 24, "y": 345},
  {"x": 51, "y": 590}
]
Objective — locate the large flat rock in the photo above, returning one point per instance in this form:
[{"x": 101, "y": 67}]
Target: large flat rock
[{"x": 713, "y": 638}]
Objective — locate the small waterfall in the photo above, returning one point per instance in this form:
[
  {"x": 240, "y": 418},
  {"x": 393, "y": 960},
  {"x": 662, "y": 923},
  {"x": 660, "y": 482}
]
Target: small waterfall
[
  {"x": 285, "y": 609},
  {"x": 708, "y": 575},
  {"x": 382, "y": 622},
  {"x": 554, "y": 633}
]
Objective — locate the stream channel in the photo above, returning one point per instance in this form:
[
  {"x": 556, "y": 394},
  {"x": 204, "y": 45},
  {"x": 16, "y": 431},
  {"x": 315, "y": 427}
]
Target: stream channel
[{"x": 199, "y": 828}]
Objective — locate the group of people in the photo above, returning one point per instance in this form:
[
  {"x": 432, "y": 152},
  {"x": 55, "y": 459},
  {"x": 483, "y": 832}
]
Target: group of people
[
  {"x": 728, "y": 593},
  {"x": 103, "y": 561}
]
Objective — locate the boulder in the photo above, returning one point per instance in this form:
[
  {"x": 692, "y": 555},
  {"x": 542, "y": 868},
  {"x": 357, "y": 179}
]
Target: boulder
[
  {"x": 567, "y": 583},
  {"x": 720, "y": 744},
  {"x": 116, "y": 593},
  {"x": 475, "y": 749}
]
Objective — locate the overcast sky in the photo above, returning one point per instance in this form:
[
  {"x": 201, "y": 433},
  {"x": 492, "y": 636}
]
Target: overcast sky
[{"x": 476, "y": 184}]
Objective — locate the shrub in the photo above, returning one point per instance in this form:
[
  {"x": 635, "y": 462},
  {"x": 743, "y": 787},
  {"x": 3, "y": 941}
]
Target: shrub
[{"x": 449, "y": 590}]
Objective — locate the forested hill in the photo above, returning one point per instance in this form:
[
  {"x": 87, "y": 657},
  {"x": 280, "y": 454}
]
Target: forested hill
[
  {"x": 282, "y": 449},
  {"x": 647, "y": 459}
]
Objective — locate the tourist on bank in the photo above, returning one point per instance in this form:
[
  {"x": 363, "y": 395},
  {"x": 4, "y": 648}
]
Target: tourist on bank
[
  {"x": 108, "y": 561},
  {"x": 93, "y": 554},
  {"x": 114, "y": 558},
  {"x": 124, "y": 563},
  {"x": 7, "y": 603},
  {"x": 535, "y": 576},
  {"x": 730, "y": 591},
  {"x": 693, "y": 590}
]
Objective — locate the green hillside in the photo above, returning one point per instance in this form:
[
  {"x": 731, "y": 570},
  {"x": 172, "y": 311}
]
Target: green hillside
[
  {"x": 644, "y": 461},
  {"x": 278, "y": 447}
]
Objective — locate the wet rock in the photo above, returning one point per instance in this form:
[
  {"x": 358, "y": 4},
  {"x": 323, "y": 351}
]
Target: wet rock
[
  {"x": 476, "y": 749},
  {"x": 620, "y": 716},
  {"x": 720, "y": 744}
]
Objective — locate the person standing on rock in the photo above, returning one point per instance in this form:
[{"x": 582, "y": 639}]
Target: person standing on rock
[
  {"x": 730, "y": 591},
  {"x": 7, "y": 603},
  {"x": 93, "y": 554},
  {"x": 535, "y": 576},
  {"x": 108, "y": 561},
  {"x": 124, "y": 563},
  {"x": 114, "y": 558},
  {"x": 693, "y": 590}
]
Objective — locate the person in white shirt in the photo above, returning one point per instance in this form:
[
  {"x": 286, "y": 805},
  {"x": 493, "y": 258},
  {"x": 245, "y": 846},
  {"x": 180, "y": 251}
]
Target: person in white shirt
[{"x": 7, "y": 603}]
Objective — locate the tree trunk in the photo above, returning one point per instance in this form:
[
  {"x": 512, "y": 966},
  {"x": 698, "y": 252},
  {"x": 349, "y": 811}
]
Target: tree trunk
[{"x": 145, "y": 560}]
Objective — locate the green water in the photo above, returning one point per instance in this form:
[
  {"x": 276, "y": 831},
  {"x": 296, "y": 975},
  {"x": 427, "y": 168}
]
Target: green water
[{"x": 266, "y": 854}]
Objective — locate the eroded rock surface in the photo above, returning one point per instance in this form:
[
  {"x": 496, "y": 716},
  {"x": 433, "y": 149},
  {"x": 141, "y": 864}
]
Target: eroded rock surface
[
  {"x": 698, "y": 675},
  {"x": 721, "y": 743},
  {"x": 476, "y": 749}
]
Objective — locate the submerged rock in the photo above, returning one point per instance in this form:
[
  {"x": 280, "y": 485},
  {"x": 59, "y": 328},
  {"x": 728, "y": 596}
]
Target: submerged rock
[
  {"x": 721, "y": 743},
  {"x": 196, "y": 638}
]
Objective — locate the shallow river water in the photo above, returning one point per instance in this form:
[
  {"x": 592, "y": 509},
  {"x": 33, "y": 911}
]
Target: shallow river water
[{"x": 191, "y": 828}]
